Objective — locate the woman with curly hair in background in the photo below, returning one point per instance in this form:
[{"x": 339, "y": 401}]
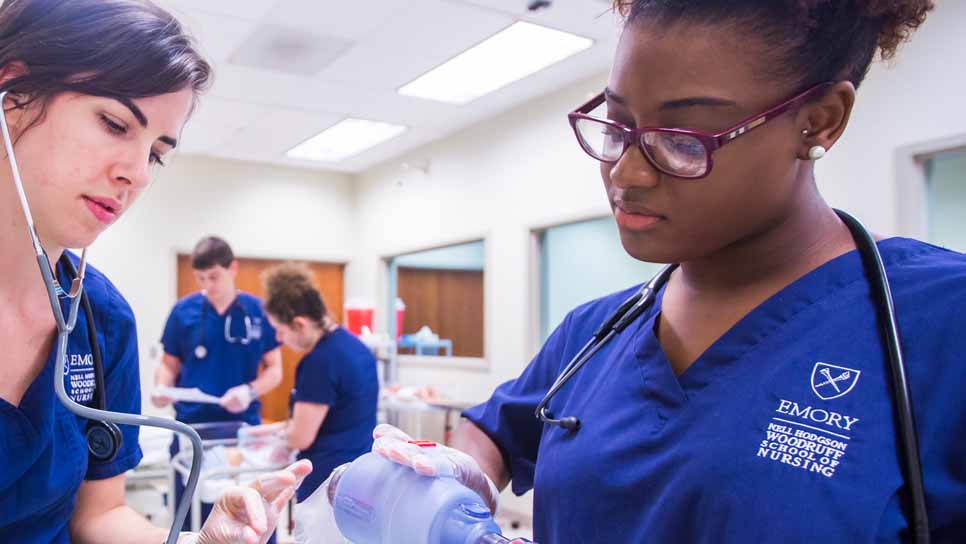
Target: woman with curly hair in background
[{"x": 333, "y": 403}]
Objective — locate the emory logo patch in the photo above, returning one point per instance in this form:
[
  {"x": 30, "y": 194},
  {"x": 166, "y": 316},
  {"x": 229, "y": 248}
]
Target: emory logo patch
[{"x": 831, "y": 381}]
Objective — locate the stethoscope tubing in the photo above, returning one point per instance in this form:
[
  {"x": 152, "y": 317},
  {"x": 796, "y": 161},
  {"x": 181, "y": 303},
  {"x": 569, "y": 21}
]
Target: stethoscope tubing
[
  {"x": 66, "y": 325},
  {"x": 911, "y": 464}
]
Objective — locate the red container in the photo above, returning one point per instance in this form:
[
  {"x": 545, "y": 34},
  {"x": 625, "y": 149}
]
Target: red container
[
  {"x": 356, "y": 318},
  {"x": 400, "y": 316}
]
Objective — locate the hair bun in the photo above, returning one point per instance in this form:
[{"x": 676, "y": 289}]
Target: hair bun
[{"x": 899, "y": 19}]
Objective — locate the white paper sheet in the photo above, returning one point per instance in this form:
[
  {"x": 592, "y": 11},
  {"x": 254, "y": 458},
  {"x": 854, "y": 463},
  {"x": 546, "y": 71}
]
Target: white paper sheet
[{"x": 184, "y": 394}]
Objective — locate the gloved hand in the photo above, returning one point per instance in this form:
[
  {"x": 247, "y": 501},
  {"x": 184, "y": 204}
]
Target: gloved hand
[
  {"x": 249, "y": 513},
  {"x": 237, "y": 398},
  {"x": 393, "y": 444},
  {"x": 160, "y": 400}
]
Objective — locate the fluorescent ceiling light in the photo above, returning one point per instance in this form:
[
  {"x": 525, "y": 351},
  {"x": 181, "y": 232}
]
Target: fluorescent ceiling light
[
  {"x": 345, "y": 139},
  {"x": 514, "y": 53}
]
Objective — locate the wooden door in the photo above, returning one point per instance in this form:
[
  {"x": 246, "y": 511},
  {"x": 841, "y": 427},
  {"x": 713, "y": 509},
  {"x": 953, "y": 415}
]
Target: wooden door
[{"x": 329, "y": 279}]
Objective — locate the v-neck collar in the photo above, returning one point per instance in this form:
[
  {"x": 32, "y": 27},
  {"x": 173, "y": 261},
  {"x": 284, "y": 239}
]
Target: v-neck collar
[
  {"x": 756, "y": 326},
  {"x": 207, "y": 305}
]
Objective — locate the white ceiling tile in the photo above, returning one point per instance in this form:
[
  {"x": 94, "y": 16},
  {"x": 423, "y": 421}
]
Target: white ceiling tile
[
  {"x": 288, "y": 49},
  {"x": 276, "y": 132},
  {"x": 354, "y": 21},
  {"x": 257, "y": 114},
  {"x": 425, "y": 35},
  {"x": 217, "y": 36},
  {"x": 590, "y": 18},
  {"x": 215, "y": 121},
  {"x": 251, "y": 10}
]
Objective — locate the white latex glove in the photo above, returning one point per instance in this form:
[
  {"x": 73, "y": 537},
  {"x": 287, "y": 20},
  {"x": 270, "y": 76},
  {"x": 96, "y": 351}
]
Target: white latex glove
[
  {"x": 249, "y": 513},
  {"x": 315, "y": 519},
  {"x": 237, "y": 398},
  {"x": 160, "y": 400},
  {"x": 393, "y": 444}
]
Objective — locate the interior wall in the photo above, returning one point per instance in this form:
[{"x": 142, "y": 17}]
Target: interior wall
[
  {"x": 918, "y": 97},
  {"x": 262, "y": 211}
]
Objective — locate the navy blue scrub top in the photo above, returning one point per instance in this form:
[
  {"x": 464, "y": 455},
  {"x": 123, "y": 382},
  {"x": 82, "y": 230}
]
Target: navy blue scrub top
[
  {"x": 226, "y": 364},
  {"x": 782, "y": 431},
  {"x": 43, "y": 450},
  {"x": 340, "y": 372}
]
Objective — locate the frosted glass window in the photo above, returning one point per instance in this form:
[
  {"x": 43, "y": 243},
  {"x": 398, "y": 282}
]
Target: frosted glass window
[
  {"x": 946, "y": 177},
  {"x": 580, "y": 262}
]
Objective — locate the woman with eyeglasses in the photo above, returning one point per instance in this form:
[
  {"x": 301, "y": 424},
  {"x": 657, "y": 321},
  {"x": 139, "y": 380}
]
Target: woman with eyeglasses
[
  {"x": 96, "y": 95},
  {"x": 752, "y": 401}
]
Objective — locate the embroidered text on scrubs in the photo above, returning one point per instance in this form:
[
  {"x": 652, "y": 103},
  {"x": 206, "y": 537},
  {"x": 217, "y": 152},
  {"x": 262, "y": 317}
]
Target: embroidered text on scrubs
[
  {"x": 80, "y": 377},
  {"x": 804, "y": 446}
]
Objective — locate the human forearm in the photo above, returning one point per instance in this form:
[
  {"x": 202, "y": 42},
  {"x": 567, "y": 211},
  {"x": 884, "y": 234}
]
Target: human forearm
[
  {"x": 164, "y": 376},
  {"x": 271, "y": 374},
  {"x": 120, "y": 525},
  {"x": 469, "y": 439},
  {"x": 267, "y": 380},
  {"x": 307, "y": 419}
]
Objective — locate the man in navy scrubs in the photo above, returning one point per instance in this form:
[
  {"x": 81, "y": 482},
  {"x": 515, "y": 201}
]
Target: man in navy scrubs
[{"x": 219, "y": 341}]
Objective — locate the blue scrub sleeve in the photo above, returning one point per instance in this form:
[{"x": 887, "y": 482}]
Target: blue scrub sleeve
[
  {"x": 507, "y": 418},
  {"x": 172, "y": 336},
  {"x": 315, "y": 381},
  {"x": 269, "y": 341},
  {"x": 122, "y": 383}
]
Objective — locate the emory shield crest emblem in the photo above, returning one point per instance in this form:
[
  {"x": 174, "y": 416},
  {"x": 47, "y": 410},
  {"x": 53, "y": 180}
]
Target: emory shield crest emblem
[{"x": 831, "y": 381}]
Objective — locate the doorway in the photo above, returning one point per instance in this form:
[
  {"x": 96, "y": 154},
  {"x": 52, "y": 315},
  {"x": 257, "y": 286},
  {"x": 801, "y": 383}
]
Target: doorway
[{"x": 329, "y": 279}]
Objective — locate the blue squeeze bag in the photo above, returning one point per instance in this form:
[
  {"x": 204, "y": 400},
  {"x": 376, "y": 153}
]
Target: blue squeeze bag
[{"x": 376, "y": 501}]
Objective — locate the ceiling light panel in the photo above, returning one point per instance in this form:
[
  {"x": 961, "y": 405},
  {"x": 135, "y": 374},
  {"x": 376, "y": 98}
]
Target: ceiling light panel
[
  {"x": 514, "y": 53},
  {"x": 344, "y": 139}
]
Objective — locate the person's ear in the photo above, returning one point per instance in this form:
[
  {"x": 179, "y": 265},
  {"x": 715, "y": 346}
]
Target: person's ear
[
  {"x": 823, "y": 120},
  {"x": 299, "y": 324},
  {"x": 13, "y": 102},
  {"x": 12, "y": 70}
]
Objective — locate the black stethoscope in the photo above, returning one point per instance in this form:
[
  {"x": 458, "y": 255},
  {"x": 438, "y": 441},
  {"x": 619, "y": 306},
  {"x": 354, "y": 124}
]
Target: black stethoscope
[
  {"x": 103, "y": 437},
  {"x": 201, "y": 351},
  {"x": 102, "y": 433},
  {"x": 633, "y": 307}
]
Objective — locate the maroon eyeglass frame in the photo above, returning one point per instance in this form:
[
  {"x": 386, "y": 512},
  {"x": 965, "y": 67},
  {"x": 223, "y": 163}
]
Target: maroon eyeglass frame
[{"x": 710, "y": 141}]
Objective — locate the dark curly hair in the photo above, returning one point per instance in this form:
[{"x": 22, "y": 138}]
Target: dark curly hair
[
  {"x": 820, "y": 40},
  {"x": 290, "y": 292}
]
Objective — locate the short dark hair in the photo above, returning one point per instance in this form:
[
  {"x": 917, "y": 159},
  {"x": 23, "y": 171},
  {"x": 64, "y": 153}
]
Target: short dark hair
[
  {"x": 290, "y": 292},
  {"x": 211, "y": 251},
  {"x": 815, "y": 40},
  {"x": 121, "y": 49}
]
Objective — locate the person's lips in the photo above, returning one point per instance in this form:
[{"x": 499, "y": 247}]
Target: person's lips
[
  {"x": 635, "y": 216},
  {"x": 105, "y": 209}
]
